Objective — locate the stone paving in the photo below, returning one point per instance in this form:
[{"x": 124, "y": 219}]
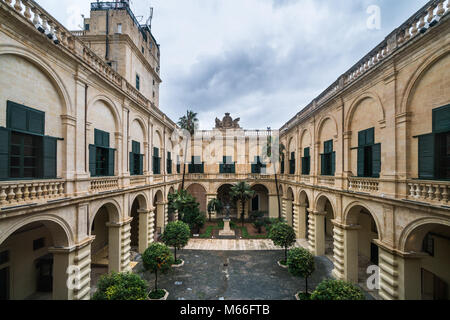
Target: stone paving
[{"x": 237, "y": 245}]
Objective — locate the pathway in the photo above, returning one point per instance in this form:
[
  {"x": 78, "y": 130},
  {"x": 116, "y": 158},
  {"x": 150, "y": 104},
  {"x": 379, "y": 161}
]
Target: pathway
[{"x": 237, "y": 245}]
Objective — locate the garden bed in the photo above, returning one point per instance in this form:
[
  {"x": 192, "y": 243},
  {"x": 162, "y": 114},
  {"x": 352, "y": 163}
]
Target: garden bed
[{"x": 211, "y": 230}]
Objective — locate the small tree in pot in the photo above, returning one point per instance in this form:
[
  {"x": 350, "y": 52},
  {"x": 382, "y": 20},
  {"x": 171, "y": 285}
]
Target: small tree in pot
[
  {"x": 157, "y": 258},
  {"x": 176, "y": 235},
  {"x": 301, "y": 264},
  {"x": 282, "y": 235}
]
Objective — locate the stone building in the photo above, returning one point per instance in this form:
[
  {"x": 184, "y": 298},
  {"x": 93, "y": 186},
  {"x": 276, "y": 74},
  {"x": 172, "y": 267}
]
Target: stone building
[{"x": 87, "y": 158}]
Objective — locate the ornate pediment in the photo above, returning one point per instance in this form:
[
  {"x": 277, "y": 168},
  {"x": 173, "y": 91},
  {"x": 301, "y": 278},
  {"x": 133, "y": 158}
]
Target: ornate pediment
[{"x": 227, "y": 122}]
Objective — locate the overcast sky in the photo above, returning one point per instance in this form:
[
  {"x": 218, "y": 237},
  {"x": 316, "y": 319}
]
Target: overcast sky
[{"x": 260, "y": 60}]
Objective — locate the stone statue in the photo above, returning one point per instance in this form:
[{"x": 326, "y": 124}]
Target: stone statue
[{"x": 228, "y": 122}]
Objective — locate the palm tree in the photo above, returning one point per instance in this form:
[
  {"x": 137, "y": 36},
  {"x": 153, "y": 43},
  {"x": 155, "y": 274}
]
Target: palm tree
[
  {"x": 269, "y": 155},
  {"x": 242, "y": 192},
  {"x": 189, "y": 122},
  {"x": 214, "y": 205}
]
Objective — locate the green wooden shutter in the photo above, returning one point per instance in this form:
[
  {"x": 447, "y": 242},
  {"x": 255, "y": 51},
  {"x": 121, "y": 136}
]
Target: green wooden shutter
[
  {"x": 131, "y": 163},
  {"x": 36, "y": 121},
  {"x": 333, "y": 163},
  {"x": 426, "y": 156},
  {"x": 370, "y": 136},
  {"x": 362, "y": 138},
  {"x": 376, "y": 160},
  {"x": 4, "y": 153},
  {"x": 92, "y": 159},
  {"x": 322, "y": 165},
  {"x": 49, "y": 157},
  {"x": 441, "y": 119},
  {"x": 16, "y": 116},
  {"x": 141, "y": 164},
  {"x": 361, "y": 161},
  {"x": 111, "y": 158}
]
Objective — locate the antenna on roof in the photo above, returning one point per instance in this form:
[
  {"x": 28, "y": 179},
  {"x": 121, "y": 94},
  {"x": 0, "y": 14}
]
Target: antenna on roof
[{"x": 150, "y": 18}]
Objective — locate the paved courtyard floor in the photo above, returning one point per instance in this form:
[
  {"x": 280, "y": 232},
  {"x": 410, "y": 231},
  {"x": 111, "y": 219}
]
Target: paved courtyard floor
[{"x": 234, "y": 275}]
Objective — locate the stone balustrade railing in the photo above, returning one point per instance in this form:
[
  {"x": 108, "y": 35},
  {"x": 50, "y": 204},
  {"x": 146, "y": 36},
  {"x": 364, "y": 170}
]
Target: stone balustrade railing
[
  {"x": 370, "y": 185},
  {"x": 305, "y": 179},
  {"x": 137, "y": 180},
  {"x": 325, "y": 180},
  {"x": 104, "y": 184},
  {"x": 22, "y": 192},
  {"x": 437, "y": 192},
  {"x": 427, "y": 17},
  {"x": 56, "y": 32}
]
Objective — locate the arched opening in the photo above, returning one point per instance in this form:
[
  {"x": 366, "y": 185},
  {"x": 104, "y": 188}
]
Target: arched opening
[
  {"x": 170, "y": 212},
  {"x": 28, "y": 267},
  {"x": 303, "y": 216},
  {"x": 429, "y": 276},
  {"x": 199, "y": 193},
  {"x": 158, "y": 203},
  {"x": 105, "y": 247},
  {"x": 137, "y": 236},
  {"x": 289, "y": 201},
  {"x": 260, "y": 202},
  {"x": 365, "y": 252},
  {"x": 326, "y": 211},
  {"x": 223, "y": 194}
]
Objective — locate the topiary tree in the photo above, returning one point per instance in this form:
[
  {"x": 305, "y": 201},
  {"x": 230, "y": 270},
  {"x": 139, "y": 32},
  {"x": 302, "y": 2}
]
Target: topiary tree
[
  {"x": 282, "y": 235},
  {"x": 301, "y": 264},
  {"x": 121, "y": 286},
  {"x": 176, "y": 235},
  {"x": 337, "y": 290},
  {"x": 157, "y": 258}
]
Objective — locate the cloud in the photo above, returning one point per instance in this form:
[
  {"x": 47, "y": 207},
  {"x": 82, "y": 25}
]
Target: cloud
[{"x": 260, "y": 60}]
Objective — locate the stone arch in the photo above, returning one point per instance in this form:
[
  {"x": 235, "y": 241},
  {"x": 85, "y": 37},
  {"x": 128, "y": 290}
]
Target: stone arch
[
  {"x": 143, "y": 124},
  {"x": 306, "y": 133},
  {"x": 357, "y": 102},
  {"x": 260, "y": 201},
  {"x": 114, "y": 211},
  {"x": 405, "y": 236},
  {"x": 158, "y": 140},
  {"x": 320, "y": 202},
  {"x": 350, "y": 217},
  {"x": 415, "y": 78},
  {"x": 111, "y": 106},
  {"x": 198, "y": 191},
  {"x": 61, "y": 231},
  {"x": 321, "y": 124},
  {"x": 304, "y": 195},
  {"x": 142, "y": 199},
  {"x": 52, "y": 75},
  {"x": 270, "y": 187},
  {"x": 158, "y": 204},
  {"x": 289, "y": 205}
]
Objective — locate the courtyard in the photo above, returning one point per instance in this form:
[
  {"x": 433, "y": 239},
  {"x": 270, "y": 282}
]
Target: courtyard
[{"x": 234, "y": 275}]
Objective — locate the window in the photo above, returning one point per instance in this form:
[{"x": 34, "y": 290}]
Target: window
[
  {"x": 178, "y": 165},
  {"x": 119, "y": 28},
  {"x": 156, "y": 161},
  {"x": 38, "y": 244},
  {"x": 227, "y": 166},
  {"x": 292, "y": 163},
  {"x": 258, "y": 167},
  {"x": 169, "y": 163},
  {"x": 86, "y": 27},
  {"x": 25, "y": 152},
  {"x": 101, "y": 156},
  {"x": 282, "y": 163},
  {"x": 369, "y": 154},
  {"x": 153, "y": 81},
  {"x": 434, "y": 148},
  {"x": 196, "y": 165},
  {"x": 143, "y": 50},
  {"x": 136, "y": 159},
  {"x": 4, "y": 257},
  {"x": 328, "y": 159},
  {"x": 428, "y": 244},
  {"x": 306, "y": 161},
  {"x": 138, "y": 82}
]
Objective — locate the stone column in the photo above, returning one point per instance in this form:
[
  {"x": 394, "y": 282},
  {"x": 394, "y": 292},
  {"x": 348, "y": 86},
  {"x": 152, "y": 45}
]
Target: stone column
[
  {"x": 72, "y": 271},
  {"x": 283, "y": 208},
  {"x": 144, "y": 217},
  {"x": 119, "y": 242},
  {"x": 166, "y": 214},
  {"x": 295, "y": 219},
  {"x": 151, "y": 225},
  {"x": 273, "y": 206},
  {"x": 345, "y": 253},
  {"x": 317, "y": 232},
  {"x": 302, "y": 228}
]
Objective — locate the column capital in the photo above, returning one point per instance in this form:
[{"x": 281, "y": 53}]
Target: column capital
[
  {"x": 345, "y": 226},
  {"x": 144, "y": 211},
  {"x": 119, "y": 224},
  {"x": 317, "y": 213}
]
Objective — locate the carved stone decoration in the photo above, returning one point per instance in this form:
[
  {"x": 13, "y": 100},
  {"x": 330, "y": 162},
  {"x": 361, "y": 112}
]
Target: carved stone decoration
[{"x": 228, "y": 122}]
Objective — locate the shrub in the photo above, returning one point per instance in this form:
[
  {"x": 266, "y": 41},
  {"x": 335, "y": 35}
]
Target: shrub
[
  {"x": 121, "y": 286},
  {"x": 301, "y": 264},
  {"x": 337, "y": 290},
  {"x": 156, "y": 258},
  {"x": 176, "y": 235},
  {"x": 282, "y": 235},
  {"x": 258, "y": 225}
]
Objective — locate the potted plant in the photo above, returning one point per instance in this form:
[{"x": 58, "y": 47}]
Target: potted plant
[
  {"x": 300, "y": 263},
  {"x": 176, "y": 235},
  {"x": 282, "y": 235},
  {"x": 337, "y": 290},
  {"x": 121, "y": 286},
  {"x": 157, "y": 258}
]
